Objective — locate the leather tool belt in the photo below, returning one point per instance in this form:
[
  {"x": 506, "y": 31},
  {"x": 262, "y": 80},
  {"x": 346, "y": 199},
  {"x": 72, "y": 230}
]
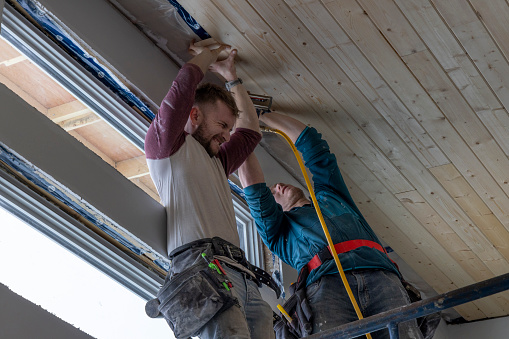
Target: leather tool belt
[
  {"x": 224, "y": 248},
  {"x": 298, "y": 308}
]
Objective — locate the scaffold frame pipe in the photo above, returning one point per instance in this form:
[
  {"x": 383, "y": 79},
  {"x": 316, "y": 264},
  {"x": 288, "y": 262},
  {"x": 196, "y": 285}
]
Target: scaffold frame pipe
[{"x": 418, "y": 309}]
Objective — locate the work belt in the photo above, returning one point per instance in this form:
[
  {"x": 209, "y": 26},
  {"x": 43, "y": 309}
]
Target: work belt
[
  {"x": 342, "y": 247},
  {"x": 224, "y": 248},
  {"x": 297, "y": 306}
]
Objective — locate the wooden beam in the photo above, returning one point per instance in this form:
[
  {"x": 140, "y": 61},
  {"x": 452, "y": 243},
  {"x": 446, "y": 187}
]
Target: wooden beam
[
  {"x": 476, "y": 209},
  {"x": 22, "y": 94},
  {"x": 67, "y": 111},
  {"x": 133, "y": 168},
  {"x": 7, "y": 52},
  {"x": 14, "y": 60},
  {"x": 80, "y": 121}
]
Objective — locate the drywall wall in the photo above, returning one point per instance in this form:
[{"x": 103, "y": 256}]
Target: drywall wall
[
  {"x": 21, "y": 319},
  {"x": 50, "y": 148},
  {"x": 492, "y": 328}
]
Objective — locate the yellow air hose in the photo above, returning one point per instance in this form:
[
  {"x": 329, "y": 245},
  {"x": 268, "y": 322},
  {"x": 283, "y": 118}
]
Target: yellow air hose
[{"x": 322, "y": 221}]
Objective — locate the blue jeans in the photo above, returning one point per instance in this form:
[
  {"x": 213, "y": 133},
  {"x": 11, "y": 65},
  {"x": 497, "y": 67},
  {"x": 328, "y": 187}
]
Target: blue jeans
[
  {"x": 252, "y": 318},
  {"x": 375, "y": 291}
]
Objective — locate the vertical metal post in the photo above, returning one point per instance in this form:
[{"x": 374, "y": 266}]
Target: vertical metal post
[{"x": 393, "y": 330}]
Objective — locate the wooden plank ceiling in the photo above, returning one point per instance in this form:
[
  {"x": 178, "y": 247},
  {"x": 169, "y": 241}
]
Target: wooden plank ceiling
[{"x": 412, "y": 97}]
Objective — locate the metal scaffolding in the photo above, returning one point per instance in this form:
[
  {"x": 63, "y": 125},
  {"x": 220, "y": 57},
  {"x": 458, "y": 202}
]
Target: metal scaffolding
[{"x": 392, "y": 318}]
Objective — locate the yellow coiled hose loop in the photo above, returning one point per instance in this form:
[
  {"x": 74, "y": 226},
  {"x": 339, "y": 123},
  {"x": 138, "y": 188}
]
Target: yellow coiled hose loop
[{"x": 322, "y": 221}]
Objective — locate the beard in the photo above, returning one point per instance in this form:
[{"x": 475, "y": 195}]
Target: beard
[{"x": 201, "y": 136}]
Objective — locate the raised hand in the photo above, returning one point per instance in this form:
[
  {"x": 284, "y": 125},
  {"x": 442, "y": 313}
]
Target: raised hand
[
  {"x": 220, "y": 50},
  {"x": 226, "y": 68}
]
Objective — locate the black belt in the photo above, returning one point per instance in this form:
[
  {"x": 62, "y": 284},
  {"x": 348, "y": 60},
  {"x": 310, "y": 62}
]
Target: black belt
[{"x": 224, "y": 248}]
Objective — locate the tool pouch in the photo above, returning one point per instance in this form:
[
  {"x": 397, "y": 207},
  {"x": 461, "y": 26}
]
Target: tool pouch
[
  {"x": 427, "y": 324},
  {"x": 191, "y": 298},
  {"x": 297, "y": 306}
]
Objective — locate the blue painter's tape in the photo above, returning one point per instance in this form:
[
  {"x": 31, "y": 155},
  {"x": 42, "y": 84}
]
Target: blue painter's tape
[
  {"x": 197, "y": 29},
  {"x": 83, "y": 58},
  {"x": 237, "y": 190}
]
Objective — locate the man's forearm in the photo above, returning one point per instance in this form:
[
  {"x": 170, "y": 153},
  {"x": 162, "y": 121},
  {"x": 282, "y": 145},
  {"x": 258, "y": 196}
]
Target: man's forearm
[
  {"x": 290, "y": 126},
  {"x": 247, "y": 113},
  {"x": 250, "y": 172}
]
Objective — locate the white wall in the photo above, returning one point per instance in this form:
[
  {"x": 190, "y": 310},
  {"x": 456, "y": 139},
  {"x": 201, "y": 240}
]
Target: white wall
[{"x": 485, "y": 329}]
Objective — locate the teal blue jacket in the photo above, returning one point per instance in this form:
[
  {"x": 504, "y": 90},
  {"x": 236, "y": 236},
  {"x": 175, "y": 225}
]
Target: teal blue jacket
[{"x": 296, "y": 236}]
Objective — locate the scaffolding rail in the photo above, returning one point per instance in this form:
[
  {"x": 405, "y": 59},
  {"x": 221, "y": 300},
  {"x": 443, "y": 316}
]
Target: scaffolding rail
[{"x": 392, "y": 318}]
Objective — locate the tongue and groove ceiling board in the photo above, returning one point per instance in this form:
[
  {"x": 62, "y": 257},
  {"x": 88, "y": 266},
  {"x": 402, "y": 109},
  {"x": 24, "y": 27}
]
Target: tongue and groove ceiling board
[{"x": 412, "y": 97}]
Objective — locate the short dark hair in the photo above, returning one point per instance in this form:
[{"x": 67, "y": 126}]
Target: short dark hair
[{"x": 208, "y": 93}]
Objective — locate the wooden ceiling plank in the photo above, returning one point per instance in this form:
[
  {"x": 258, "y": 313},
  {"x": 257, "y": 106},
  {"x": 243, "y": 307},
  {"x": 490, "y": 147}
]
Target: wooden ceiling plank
[
  {"x": 402, "y": 219},
  {"x": 494, "y": 15},
  {"x": 66, "y": 111},
  {"x": 442, "y": 42},
  {"x": 451, "y": 207},
  {"x": 458, "y": 250},
  {"x": 365, "y": 41},
  {"x": 479, "y": 45},
  {"x": 286, "y": 97},
  {"x": 457, "y": 219},
  {"x": 429, "y": 121},
  {"x": 497, "y": 122},
  {"x": 393, "y": 70},
  {"x": 422, "y": 241},
  {"x": 413, "y": 255},
  {"x": 450, "y": 239},
  {"x": 445, "y": 48},
  {"x": 350, "y": 97},
  {"x": 489, "y": 162},
  {"x": 22, "y": 94},
  {"x": 367, "y": 79},
  {"x": 473, "y": 205},
  {"x": 133, "y": 168},
  {"x": 393, "y": 25}
]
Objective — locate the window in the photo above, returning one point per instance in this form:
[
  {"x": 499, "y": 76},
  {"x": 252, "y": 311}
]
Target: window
[{"x": 62, "y": 283}]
